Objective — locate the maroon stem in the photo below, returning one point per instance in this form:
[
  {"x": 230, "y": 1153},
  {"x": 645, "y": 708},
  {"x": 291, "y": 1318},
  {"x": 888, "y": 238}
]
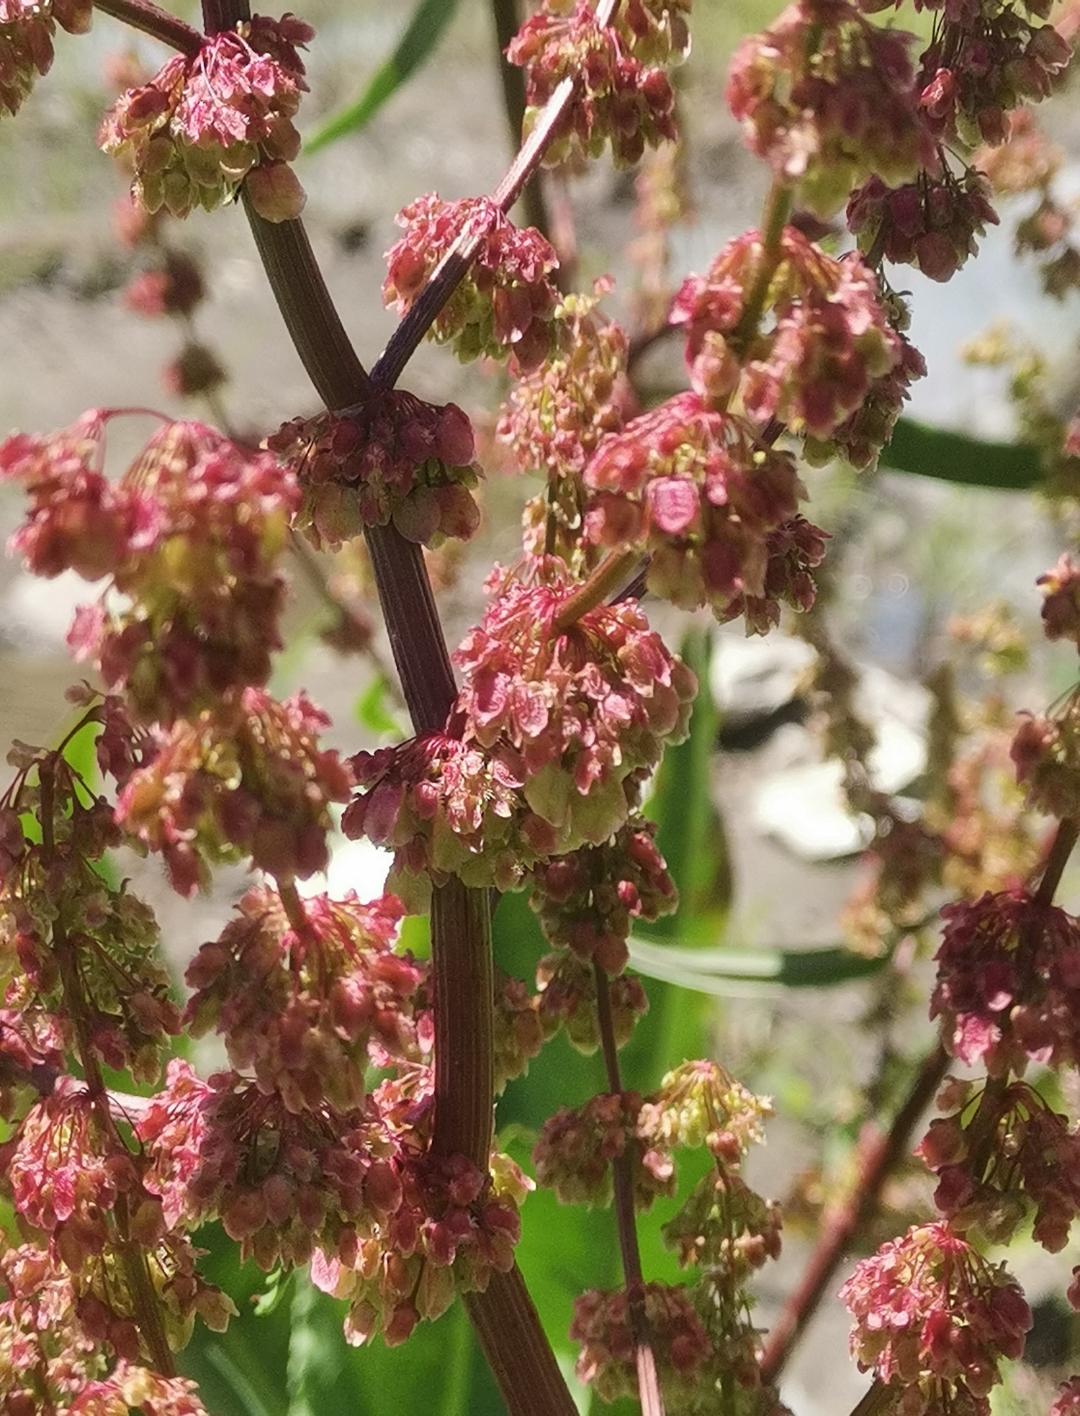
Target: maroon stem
[
  {"x": 879, "y": 1155},
  {"x": 144, "y": 16},
  {"x": 512, "y": 1339},
  {"x": 507, "y": 22},
  {"x": 1057, "y": 857},
  {"x": 652, "y": 1403}
]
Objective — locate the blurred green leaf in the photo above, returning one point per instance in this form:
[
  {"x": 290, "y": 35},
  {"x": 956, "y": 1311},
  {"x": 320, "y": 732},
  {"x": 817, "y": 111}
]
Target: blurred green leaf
[
  {"x": 421, "y": 36},
  {"x": 731, "y": 972},
  {"x": 955, "y": 457},
  {"x": 689, "y": 831},
  {"x": 440, "y": 1371},
  {"x": 372, "y": 711}
]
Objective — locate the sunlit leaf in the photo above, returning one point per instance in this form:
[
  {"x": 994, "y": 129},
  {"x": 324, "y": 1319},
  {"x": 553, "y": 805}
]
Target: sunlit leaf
[
  {"x": 735, "y": 972},
  {"x": 421, "y": 36},
  {"x": 956, "y": 457}
]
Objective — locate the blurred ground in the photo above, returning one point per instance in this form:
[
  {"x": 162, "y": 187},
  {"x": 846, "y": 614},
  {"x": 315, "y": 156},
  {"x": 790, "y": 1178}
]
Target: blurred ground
[{"x": 915, "y": 553}]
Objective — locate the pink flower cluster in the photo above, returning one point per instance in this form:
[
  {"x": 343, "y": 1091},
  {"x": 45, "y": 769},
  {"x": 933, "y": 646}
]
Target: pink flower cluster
[
  {"x": 828, "y": 99},
  {"x": 998, "y": 1154},
  {"x": 930, "y": 223},
  {"x": 504, "y": 306},
  {"x": 1008, "y": 984},
  {"x": 47, "y": 1363},
  {"x": 248, "y": 780},
  {"x": 619, "y": 98},
  {"x": 602, "y": 1325},
  {"x": 203, "y": 125},
  {"x": 392, "y": 459},
  {"x": 301, "y": 1001},
  {"x": 934, "y": 1319},
  {"x": 586, "y": 900},
  {"x": 715, "y": 512},
  {"x": 26, "y": 42},
  {"x": 190, "y": 536},
  {"x": 827, "y": 342},
  {"x": 558, "y": 413},
  {"x": 577, "y": 1146},
  {"x": 519, "y": 1032},
  {"x": 551, "y": 725}
]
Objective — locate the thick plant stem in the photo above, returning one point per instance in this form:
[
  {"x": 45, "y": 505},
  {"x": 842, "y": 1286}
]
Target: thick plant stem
[
  {"x": 149, "y": 19},
  {"x": 1057, "y": 857},
  {"x": 839, "y": 1228},
  {"x": 652, "y": 1403},
  {"x": 520, "y": 1356},
  {"x": 462, "y": 980},
  {"x": 614, "y": 573}
]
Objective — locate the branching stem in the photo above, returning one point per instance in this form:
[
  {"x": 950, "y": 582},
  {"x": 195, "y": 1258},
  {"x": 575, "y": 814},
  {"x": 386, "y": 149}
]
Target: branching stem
[{"x": 147, "y": 17}]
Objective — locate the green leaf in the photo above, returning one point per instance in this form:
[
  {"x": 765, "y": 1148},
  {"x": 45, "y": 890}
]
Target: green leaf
[
  {"x": 689, "y": 831},
  {"x": 738, "y": 972},
  {"x": 440, "y": 1371},
  {"x": 421, "y": 36},
  {"x": 372, "y": 712},
  {"x": 956, "y": 457}
]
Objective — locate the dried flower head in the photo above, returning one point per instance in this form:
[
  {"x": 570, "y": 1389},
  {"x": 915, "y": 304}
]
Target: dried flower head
[
  {"x": 602, "y": 1325},
  {"x": 577, "y": 1146},
  {"x": 26, "y": 35},
  {"x": 930, "y": 223}
]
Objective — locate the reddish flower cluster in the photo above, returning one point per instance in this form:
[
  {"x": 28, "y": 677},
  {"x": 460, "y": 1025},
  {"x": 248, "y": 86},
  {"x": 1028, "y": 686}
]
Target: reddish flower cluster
[
  {"x": 997, "y": 1154},
  {"x": 725, "y": 1227},
  {"x": 602, "y": 1324},
  {"x": 248, "y": 780},
  {"x": 577, "y": 1145},
  {"x": 1008, "y": 983},
  {"x": 190, "y": 535},
  {"x": 587, "y": 899},
  {"x": 504, "y": 306},
  {"x": 934, "y": 1319},
  {"x": 828, "y": 341},
  {"x": 701, "y": 1103},
  {"x": 110, "y": 935},
  {"x": 393, "y": 458},
  {"x": 47, "y": 1362},
  {"x": 568, "y": 999},
  {"x": 1067, "y": 1402},
  {"x": 207, "y": 1154},
  {"x": 551, "y": 724},
  {"x": 1061, "y": 600},
  {"x": 655, "y": 31},
  {"x": 204, "y": 124},
  {"x": 827, "y": 99},
  {"x": 1046, "y": 755},
  {"x": 518, "y": 1030},
  {"x": 558, "y": 414},
  {"x": 26, "y": 35},
  {"x": 930, "y": 223},
  {"x": 619, "y": 98},
  {"x": 986, "y": 58},
  {"x": 449, "y": 1234},
  {"x": 301, "y": 1002},
  {"x": 690, "y": 485}
]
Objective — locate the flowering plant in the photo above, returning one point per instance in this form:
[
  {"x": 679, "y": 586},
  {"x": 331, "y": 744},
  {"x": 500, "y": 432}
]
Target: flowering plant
[{"x": 549, "y": 811}]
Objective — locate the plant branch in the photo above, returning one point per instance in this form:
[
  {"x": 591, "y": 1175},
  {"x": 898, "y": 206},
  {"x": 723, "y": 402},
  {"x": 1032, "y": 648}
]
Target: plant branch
[
  {"x": 451, "y": 270},
  {"x": 840, "y": 1224},
  {"x": 507, "y": 21},
  {"x": 773, "y": 221},
  {"x": 519, "y": 1355},
  {"x": 652, "y": 1403},
  {"x": 150, "y": 19},
  {"x": 611, "y": 577},
  {"x": 1057, "y": 857}
]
